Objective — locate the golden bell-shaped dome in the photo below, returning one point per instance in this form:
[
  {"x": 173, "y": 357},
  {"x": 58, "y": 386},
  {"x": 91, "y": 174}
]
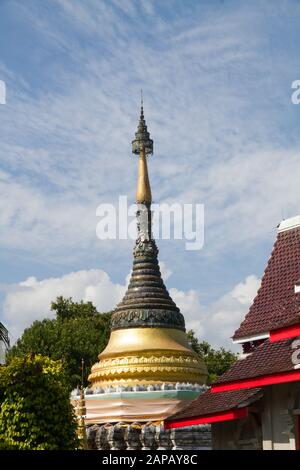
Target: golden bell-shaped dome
[{"x": 147, "y": 356}]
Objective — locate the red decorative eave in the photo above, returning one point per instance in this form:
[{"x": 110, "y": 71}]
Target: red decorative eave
[
  {"x": 207, "y": 419},
  {"x": 261, "y": 381},
  {"x": 214, "y": 407},
  {"x": 284, "y": 333}
]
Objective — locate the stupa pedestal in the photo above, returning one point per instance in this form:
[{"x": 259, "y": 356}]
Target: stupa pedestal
[
  {"x": 147, "y": 436},
  {"x": 138, "y": 403}
]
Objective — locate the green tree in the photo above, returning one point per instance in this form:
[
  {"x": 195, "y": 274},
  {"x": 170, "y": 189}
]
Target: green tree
[
  {"x": 35, "y": 408},
  {"x": 77, "y": 332},
  {"x": 217, "y": 360}
]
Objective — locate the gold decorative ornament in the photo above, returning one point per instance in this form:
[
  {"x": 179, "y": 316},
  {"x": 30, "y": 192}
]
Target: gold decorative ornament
[
  {"x": 81, "y": 414},
  {"x": 143, "y": 191}
]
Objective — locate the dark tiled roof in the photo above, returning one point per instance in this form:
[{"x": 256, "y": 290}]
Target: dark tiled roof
[
  {"x": 268, "y": 358},
  {"x": 209, "y": 403},
  {"x": 276, "y": 304}
]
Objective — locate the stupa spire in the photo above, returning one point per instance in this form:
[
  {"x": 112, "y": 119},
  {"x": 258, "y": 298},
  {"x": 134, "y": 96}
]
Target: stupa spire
[
  {"x": 142, "y": 146},
  {"x": 148, "y": 343},
  {"x": 147, "y": 301}
]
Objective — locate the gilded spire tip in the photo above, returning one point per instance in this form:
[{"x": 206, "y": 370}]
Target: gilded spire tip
[{"x": 142, "y": 145}]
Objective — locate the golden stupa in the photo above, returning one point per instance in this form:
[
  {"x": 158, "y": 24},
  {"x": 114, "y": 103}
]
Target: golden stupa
[{"x": 148, "y": 343}]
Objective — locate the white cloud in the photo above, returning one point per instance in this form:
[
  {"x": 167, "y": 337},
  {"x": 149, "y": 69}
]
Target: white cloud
[
  {"x": 30, "y": 300},
  {"x": 217, "y": 321},
  {"x": 244, "y": 292},
  {"x": 218, "y": 109},
  {"x": 190, "y": 306},
  {"x": 224, "y": 315},
  {"x": 66, "y": 151}
]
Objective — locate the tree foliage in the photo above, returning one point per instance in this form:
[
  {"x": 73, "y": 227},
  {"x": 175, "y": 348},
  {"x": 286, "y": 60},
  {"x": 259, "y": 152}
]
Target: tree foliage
[
  {"x": 78, "y": 332},
  {"x": 217, "y": 360},
  {"x": 35, "y": 408}
]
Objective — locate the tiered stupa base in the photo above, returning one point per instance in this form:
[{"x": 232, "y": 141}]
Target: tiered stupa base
[
  {"x": 131, "y": 418},
  {"x": 137, "y": 436},
  {"x": 138, "y": 403}
]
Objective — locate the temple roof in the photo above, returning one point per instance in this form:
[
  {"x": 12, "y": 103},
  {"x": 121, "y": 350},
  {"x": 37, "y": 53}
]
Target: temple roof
[
  {"x": 266, "y": 359},
  {"x": 210, "y": 403},
  {"x": 276, "y": 303}
]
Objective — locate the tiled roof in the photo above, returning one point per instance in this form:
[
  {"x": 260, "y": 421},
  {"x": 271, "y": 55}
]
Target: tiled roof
[
  {"x": 268, "y": 358},
  {"x": 210, "y": 403},
  {"x": 276, "y": 304}
]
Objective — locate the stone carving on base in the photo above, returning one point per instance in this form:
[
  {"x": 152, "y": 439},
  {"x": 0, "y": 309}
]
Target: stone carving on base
[
  {"x": 91, "y": 432},
  {"x": 163, "y": 438},
  {"x": 136, "y": 436},
  {"x": 115, "y": 437},
  {"x": 132, "y": 436},
  {"x": 148, "y": 437},
  {"x": 102, "y": 437}
]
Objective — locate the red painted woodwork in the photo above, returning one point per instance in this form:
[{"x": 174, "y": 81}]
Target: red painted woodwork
[
  {"x": 284, "y": 333},
  {"x": 261, "y": 381},
  {"x": 206, "y": 419}
]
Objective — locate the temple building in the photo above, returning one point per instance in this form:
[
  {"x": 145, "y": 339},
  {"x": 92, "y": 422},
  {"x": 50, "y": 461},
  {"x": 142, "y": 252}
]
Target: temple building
[
  {"x": 148, "y": 370},
  {"x": 256, "y": 403},
  {"x": 4, "y": 343}
]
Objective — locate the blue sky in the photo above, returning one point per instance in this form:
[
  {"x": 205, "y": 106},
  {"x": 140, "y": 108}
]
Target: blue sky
[{"x": 216, "y": 77}]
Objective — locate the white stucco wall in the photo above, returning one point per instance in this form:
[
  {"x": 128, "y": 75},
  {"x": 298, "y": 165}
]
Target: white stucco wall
[
  {"x": 279, "y": 417},
  {"x": 273, "y": 425}
]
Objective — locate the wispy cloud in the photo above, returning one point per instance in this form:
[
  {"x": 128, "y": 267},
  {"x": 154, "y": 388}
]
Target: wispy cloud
[
  {"x": 30, "y": 300},
  {"x": 217, "y": 104}
]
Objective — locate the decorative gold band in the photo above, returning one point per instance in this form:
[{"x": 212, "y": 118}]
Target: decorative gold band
[{"x": 151, "y": 368}]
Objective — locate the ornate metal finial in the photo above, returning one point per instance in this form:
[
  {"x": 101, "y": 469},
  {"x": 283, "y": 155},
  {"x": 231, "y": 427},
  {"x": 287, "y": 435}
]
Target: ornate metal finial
[
  {"x": 142, "y": 137},
  {"x": 81, "y": 413}
]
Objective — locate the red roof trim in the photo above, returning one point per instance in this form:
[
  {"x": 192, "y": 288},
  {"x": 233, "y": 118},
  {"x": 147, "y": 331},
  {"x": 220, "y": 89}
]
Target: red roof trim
[
  {"x": 209, "y": 418},
  {"x": 269, "y": 379},
  {"x": 285, "y": 333}
]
